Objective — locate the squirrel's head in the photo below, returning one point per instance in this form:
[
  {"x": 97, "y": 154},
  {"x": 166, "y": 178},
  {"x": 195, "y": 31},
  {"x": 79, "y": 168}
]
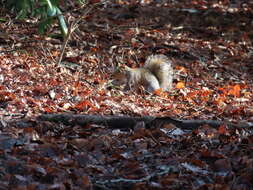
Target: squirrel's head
[{"x": 119, "y": 75}]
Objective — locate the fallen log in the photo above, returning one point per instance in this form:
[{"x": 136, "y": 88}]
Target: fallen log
[{"x": 128, "y": 122}]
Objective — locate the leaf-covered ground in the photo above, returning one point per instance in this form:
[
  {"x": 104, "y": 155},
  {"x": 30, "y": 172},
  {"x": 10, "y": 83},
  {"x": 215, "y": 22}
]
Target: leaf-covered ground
[{"x": 210, "y": 44}]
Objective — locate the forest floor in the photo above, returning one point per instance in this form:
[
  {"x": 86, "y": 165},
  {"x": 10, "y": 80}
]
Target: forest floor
[{"x": 210, "y": 45}]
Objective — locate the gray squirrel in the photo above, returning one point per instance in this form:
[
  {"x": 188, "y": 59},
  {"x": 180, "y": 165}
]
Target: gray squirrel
[{"x": 157, "y": 73}]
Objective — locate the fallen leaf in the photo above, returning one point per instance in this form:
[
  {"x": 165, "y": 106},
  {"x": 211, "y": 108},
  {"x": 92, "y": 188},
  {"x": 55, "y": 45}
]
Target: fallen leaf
[{"x": 180, "y": 85}]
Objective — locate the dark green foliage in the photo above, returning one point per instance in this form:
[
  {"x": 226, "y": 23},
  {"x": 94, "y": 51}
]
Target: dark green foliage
[{"x": 45, "y": 10}]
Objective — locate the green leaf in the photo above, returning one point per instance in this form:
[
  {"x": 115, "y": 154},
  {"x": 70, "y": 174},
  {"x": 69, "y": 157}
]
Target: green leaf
[
  {"x": 2, "y": 19},
  {"x": 44, "y": 24}
]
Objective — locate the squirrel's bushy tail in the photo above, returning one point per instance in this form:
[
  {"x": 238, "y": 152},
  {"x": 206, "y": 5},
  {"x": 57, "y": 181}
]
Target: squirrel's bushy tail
[{"x": 161, "y": 67}]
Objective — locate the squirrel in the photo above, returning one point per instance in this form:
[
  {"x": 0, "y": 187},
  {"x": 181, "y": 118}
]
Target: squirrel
[{"x": 157, "y": 73}]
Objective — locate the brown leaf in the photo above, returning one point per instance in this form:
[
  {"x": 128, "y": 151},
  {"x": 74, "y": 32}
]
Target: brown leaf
[
  {"x": 235, "y": 91},
  {"x": 180, "y": 85},
  {"x": 84, "y": 105},
  {"x": 222, "y": 165}
]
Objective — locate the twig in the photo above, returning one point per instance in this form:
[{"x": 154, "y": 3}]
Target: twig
[
  {"x": 72, "y": 28},
  {"x": 147, "y": 178}
]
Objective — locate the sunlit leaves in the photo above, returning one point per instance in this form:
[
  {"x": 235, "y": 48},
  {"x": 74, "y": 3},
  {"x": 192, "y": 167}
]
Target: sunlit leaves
[
  {"x": 180, "y": 85},
  {"x": 84, "y": 105},
  {"x": 235, "y": 91}
]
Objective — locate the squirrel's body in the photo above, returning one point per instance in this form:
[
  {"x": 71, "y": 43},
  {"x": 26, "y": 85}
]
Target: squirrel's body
[{"x": 157, "y": 73}]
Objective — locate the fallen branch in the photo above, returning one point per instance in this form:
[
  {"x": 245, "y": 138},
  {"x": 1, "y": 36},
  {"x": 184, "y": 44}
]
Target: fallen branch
[
  {"x": 127, "y": 122},
  {"x": 167, "y": 170}
]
